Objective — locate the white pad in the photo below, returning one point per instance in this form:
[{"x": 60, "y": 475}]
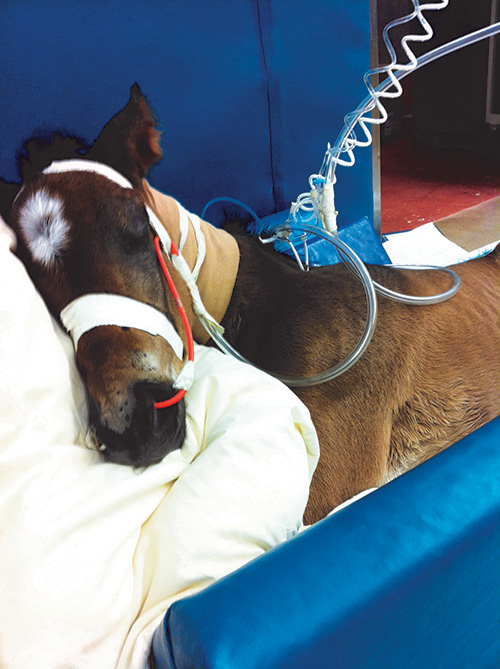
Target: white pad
[{"x": 96, "y": 309}]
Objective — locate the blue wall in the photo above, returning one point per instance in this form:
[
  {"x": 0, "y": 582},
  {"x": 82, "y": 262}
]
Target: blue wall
[{"x": 248, "y": 92}]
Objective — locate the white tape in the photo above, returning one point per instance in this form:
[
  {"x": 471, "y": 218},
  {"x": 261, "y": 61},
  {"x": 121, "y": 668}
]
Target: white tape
[
  {"x": 327, "y": 207},
  {"x": 183, "y": 224},
  {"x": 200, "y": 243},
  {"x": 77, "y": 165},
  {"x": 182, "y": 267},
  {"x": 160, "y": 230},
  {"x": 186, "y": 377},
  {"x": 96, "y": 309}
]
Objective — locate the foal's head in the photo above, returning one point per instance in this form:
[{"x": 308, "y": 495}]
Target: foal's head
[{"x": 81, "y": 233}]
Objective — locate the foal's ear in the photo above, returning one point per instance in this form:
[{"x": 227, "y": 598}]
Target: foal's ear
[
  {"x": 144, "y": 138},
  {"x": 130, "y": 141}
]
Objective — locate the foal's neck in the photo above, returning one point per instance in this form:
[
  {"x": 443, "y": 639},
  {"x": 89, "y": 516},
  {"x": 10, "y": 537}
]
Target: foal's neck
[{"x": 261, "y": 275}]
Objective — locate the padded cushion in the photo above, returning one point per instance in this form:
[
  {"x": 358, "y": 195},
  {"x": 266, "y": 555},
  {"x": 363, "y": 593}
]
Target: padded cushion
[
  {"x": 406, "y": 577},
  {"x": 248, "y": 93}
]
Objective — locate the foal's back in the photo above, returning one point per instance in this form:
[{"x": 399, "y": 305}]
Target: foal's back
[{"x": 430, "y": 376}]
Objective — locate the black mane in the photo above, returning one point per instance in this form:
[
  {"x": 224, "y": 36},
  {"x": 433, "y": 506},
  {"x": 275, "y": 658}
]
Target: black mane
[
  {"x": 36, "y": 154},
  {"x": 39, "y": 152}
]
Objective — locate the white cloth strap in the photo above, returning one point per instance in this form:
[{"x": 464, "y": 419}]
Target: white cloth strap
[
  {"x": 185, "y": 218},
  {"x": 183, "y": 224},
  {"x": 182, "y": 267},
  {"x": 160, "y": 230},
  {"x": 93, "y": 310},
  {"x": 77, "y": 165},
  {"x": 201, "y": 245}
]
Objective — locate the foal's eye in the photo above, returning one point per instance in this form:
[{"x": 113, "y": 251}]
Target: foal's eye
[
  {"x": 137, "y": 226},
  {"x": 136, "y": 232},
  {"x": 130, "y": 223}
]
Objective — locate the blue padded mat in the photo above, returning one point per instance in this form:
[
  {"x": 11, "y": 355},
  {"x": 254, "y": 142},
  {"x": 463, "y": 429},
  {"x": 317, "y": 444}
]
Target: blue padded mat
[
  {"x": 406, "y": 577},
  {"x": 248, "y": 92}
]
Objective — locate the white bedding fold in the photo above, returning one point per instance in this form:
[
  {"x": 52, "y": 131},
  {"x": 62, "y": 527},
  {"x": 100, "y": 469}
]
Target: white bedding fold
[{"x": 93, "y": 553}]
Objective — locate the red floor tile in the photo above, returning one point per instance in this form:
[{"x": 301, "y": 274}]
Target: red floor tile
[{"x": 421, "y": 184}]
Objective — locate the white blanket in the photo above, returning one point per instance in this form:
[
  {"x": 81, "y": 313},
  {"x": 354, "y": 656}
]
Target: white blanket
[{"x": 92, "y": 554}]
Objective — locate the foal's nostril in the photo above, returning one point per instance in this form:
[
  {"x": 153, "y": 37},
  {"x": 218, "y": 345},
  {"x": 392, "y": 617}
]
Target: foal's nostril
[
  {"x": 149, "y": 433},
  {"x": 147, "y": 393},
  {"x": 149, "y": 420}
]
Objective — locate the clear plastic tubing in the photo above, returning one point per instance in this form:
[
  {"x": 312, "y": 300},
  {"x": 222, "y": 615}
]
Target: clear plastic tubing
[
  {"x": 356, "y": 265},
  {"x": 419, "y": 300},
  {"x": 329, "y": 163},
  {"x": 348, "y": 256},
  {"x": 414, "y": 300},
  {"x": 360, "y": 270}
]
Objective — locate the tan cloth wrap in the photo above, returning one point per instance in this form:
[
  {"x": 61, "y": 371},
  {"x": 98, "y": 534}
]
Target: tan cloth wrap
[{"x": 218, "y": 272}]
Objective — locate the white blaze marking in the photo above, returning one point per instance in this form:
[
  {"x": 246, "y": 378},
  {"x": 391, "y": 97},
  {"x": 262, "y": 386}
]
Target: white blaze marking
[{"x": 44, "y": 227}]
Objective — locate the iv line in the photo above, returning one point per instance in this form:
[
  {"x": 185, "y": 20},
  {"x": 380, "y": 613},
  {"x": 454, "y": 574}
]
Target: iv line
[
  {"x": 368, "y": 104},
  {"x": 312, "y": 201}
]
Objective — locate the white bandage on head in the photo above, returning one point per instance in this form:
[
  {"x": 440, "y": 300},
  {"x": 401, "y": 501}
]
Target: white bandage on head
[
  {"x": 77, "y": 165},
  {"x": 94, "y": 310}
]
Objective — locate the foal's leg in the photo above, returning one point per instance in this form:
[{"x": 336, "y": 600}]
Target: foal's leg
[{"x": 354, "y": 442}]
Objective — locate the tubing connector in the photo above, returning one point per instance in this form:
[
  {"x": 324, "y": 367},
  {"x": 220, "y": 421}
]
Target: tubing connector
[{"x": 327, "y": 209}]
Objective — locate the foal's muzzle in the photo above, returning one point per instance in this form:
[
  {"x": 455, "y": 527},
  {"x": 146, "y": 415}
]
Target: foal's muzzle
[{"x": 149, "y": 434}]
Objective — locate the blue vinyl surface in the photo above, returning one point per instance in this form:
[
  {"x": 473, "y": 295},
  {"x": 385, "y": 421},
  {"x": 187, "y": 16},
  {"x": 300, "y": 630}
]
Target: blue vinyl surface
[
  {"x": 359, "y": 235},
  {"x": 248, "y": 92},
  {"x": 407, "y": 577}
]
